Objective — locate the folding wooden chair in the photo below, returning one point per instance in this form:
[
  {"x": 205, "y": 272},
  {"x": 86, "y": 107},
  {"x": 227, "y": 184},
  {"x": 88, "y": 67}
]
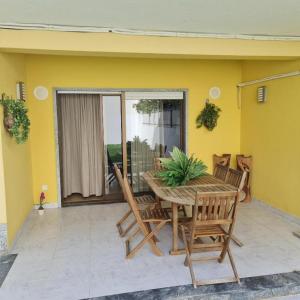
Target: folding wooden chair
[
  {"x": 144, "y": 218},
  {"x": 223, "y": 160},
  {"x": 220, "y": 171},
  {"x": 211, "y": 212},
  {"x": 244, "y": 163},
  {"x": 143, "y": 202},
  {"x": 237, "y": 178}
]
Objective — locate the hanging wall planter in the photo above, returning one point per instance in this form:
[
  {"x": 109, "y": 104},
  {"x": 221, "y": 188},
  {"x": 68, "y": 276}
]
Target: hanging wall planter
[
  {"x": 208, "y": 117},
  {"x": 15, "y": 119}
]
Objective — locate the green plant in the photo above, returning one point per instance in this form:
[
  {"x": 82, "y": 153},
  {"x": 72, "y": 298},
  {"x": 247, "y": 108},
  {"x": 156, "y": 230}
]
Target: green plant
[
  {"x": 152, "y": 106},
  {"x": 16, "y": 120},
  {"x": 208, "y": 116},
  {"x": 179, "y": 169},
  {"x": 147, "y": 106}
]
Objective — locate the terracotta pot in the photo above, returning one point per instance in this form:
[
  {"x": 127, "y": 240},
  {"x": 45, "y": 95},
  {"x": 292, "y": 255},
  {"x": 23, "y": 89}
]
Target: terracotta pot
[{"x": 8, "y": 121}]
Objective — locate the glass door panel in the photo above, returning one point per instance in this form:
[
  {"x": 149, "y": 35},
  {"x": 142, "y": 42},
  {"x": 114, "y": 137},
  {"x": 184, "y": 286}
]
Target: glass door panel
[
  {"x": 153, "y": 128},
  {"x": 112, "y": 141}
]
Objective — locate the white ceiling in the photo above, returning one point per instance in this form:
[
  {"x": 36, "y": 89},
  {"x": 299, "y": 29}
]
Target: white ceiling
[{"x": 265, "y": 18}]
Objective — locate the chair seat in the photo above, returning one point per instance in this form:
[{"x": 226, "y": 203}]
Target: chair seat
[
  {"x": 209, "y": 230},
  {"x": 203, "y": 230},
  {"x": 152, "y": 215},
  {"x": 145, "y": 199}
]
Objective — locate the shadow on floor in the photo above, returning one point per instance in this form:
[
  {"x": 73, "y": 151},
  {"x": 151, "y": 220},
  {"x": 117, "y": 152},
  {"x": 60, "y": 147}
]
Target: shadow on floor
[
  {"x": 259, "y": 287},
  {"x": 6, "y": 262}
]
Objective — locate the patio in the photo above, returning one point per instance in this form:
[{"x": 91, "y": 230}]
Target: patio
[
  {"x": 92, "y": 99},
  {"x": 76, "y": 253}
]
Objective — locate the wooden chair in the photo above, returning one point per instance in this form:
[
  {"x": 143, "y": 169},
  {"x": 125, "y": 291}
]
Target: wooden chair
[
  {"x": 220, "y": 171},
  {"x": 223, "y": 160},
  {"x": 157, "y": 164},
  {"x": 144, "y": 219},
  {"x": 211, "y": 212},
  {"x": 143, "y": 202},
  {"x": 244, "y": 163},
  {"x": 237, "y": 178}
]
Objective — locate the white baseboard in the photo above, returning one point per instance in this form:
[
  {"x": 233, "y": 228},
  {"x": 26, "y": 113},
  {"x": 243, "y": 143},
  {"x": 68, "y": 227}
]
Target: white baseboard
[
  {"x": 278, "y": 212},
  {"x": 47, "y": 205}
]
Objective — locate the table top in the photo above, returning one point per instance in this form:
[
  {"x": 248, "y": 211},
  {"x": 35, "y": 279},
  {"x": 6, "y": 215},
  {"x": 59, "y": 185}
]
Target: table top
[{"x": 185, "y": 194}]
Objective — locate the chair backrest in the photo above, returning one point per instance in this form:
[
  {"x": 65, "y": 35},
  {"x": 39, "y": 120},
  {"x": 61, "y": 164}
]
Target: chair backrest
[
  {"x": 223, "y": 160},
  {"x": 236, "y": 178},
  {"x": 215, "y": 208},
  {"x": 220, "y": 171},
  {"x": 244, "y": 163},
  {"x": 120, "y": 179},
  {"x": 157, "y": 164}
]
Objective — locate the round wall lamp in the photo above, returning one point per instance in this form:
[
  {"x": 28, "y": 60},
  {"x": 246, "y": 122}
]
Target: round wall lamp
[
  {"x": 40, "y": 93},
  {"x": 214, "y": 93}
]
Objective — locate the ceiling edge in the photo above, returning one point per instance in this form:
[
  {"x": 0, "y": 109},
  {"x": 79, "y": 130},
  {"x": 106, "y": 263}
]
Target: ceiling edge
[{"x": 65, "y": 28}]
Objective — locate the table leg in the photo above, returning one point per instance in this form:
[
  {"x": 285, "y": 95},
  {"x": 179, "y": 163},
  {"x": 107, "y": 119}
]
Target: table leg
[{"x": 175, "y": 250}]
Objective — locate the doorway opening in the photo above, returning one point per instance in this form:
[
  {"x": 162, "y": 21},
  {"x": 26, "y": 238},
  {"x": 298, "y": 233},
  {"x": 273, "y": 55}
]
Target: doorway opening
[{"x": 90, "y": 142}]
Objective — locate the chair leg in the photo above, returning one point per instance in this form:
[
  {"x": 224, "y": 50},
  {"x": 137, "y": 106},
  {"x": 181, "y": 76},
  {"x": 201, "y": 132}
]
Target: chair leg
[
  {"x": 237, "y": 241},
  {"x": 188, "y": 260},
  {"x": 224, "y": 250},
  {"x": 184, "y": 211},
  {"x": 122, "y": 231},
  {"x": 233, "y": 266},
  {"x": 155, "y": 238},
  {"x": 148, "y": 238}
]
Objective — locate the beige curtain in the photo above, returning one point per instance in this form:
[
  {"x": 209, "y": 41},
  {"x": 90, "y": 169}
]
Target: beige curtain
[{"x": 82, "y": 144}]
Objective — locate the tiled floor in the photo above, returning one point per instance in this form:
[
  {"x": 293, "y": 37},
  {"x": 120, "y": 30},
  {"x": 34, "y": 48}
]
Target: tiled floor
[{"x": 75, "y": 253}]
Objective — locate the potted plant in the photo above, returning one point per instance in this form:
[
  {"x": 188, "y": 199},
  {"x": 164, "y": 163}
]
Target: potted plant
[
  {"x": 209, "y": 116},
  {"x": 15, "y": 118},
  {"x": 180, "y": 169},
  {"x": 42, "y": 202}
]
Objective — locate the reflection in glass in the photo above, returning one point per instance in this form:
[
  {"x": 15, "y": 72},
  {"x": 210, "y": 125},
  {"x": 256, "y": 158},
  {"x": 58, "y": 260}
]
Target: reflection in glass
[{"x": 153, "y": 128}]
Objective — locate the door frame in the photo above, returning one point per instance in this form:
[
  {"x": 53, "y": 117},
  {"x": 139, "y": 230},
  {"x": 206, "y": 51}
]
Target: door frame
[{"x": 109, "y": 92}]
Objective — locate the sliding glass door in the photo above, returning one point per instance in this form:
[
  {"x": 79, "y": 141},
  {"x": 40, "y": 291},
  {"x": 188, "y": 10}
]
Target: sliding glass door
[
  {"x": 154, "y": 125},
  {"x": 98, "y": 130}
]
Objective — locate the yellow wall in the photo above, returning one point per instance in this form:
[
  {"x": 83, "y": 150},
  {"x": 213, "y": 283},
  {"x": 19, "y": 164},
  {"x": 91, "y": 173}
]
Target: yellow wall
[
  {"x": 270, "y": 132},
  {"x": 267, "y": 131},
  {"x": 92, "y": 72},
  {"x": 16, "y": 160},
  {"x": 112, "y": 44}
]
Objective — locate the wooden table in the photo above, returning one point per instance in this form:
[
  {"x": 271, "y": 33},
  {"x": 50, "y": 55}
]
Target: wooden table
[{"x": 184, "y": 195}]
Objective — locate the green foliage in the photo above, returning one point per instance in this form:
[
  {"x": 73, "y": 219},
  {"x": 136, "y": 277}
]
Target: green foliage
[
  {"x": 208, "y": 116},
  {"x": 147, "y": 106},
  {"x": 151, "y": 106},
  {"x": 115, "y": 152},
  {"x": 16, "y": 120},
  {"x": 179, "y": 169}
]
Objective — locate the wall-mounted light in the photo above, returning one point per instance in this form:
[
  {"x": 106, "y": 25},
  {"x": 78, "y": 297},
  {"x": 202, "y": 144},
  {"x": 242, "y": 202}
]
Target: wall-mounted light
[
  {"x": 214, "y": 93},
  {"x": 40, "y": 93},
  {"x": 20, "y": 90},
  {"x": 261, "y": 94}
]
